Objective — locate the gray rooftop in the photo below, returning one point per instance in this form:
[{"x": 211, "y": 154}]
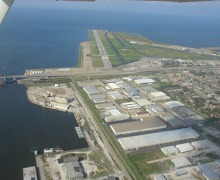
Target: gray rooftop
[{"x": 147, "y": 124}]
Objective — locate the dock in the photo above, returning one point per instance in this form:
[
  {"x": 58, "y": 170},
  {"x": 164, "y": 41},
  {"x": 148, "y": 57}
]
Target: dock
[
  {"x": 79, "y": 132},
  {"x": 30, "y": 173}
]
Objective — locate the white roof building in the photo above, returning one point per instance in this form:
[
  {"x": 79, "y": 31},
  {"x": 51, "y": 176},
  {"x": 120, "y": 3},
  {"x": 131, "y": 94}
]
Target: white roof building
[
  {"x": 181, "y": 162},
  {"x": 153, "y": 139},
  {"x": 169, "y": 150},
  {"x": 113, "y": 86},
  {"x": 116, "y": 95},
  {"x": 172, "y": 104},
  {"x": 184, "y": 147},
  {"x": 144, "y": 81}
]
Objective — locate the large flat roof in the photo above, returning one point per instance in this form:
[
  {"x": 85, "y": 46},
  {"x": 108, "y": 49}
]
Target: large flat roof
[
  {"x": 29, "y": 173},
  {"x": 135, "y": 142},
  {"x": 91, "y": 90},
  {"x": 147, "y": 124}
]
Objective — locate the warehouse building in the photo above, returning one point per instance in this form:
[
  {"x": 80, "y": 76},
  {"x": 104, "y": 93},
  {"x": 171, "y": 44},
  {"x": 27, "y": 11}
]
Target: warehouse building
[
  {"x": 169, "y": 150},
  {"x": 131, "y": 92},
  {"x": 184, "y": 147},
  {"x": 98, "y": 98},
  {"x": 154, "y": 109},
  {"x": 207, "y": 172},
  {"x": 172, "y": 120},
  {"x": 202, "y": 144},
  {"x": 181, "y": 162},
  {"x": 117, "y": 118},
  {"x": 153, "y": 139},
  {"x": 146, "y": 90},
  {"x": 115, "y": 115},
  {"x": 144, "y": 80},
  {"x": 113, "y": 86},
  {"x": 74, "y": 170},
  {"x": 116, "y": 95},
  {"x": 91, "y": 90},
  {"x": 159, "y": 96},
  {"x": 142, "y": 101},
  {"x": 149, "y": 124},
  {"x": 173, "y": 104},
  {"x": 130, "y": 105}
]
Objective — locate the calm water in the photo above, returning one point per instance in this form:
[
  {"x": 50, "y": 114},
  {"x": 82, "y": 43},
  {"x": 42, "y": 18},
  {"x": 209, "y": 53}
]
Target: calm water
[
  {"x": 24, "y": 125},
  {"x": 45, "y": 33}
]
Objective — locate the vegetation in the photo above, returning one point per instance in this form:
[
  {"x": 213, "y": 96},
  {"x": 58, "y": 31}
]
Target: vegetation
[
  {"x": 80, "y": 58},
  {"x": 45, "y": 81},
  {"x": 121, "y": 51},
  {"x": 148, "y": 156},
  {"x": 106, "y": 131}
]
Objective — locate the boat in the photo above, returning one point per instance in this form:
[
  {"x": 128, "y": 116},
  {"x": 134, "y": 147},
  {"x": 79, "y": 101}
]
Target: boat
[{"x": 50, "y": 150}]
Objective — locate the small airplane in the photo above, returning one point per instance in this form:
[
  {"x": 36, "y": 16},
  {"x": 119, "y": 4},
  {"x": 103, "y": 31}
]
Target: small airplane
[{"x": 5, "y": 5}]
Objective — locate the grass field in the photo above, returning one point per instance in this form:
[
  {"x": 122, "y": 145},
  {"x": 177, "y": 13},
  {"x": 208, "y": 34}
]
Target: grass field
[{"x": 121, "y": 51}]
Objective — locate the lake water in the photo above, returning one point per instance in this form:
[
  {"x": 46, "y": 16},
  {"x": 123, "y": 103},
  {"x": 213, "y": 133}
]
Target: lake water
[{"x": 43, "y": 34}]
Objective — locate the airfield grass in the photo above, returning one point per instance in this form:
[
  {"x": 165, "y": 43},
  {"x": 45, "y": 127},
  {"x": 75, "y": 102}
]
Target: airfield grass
[{"x": 80, "y": 57}]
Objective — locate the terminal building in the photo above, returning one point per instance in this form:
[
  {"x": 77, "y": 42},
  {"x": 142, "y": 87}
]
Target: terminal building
[
  {"x": 151, "y": 123},
  {"x": 159, "y": 138}
]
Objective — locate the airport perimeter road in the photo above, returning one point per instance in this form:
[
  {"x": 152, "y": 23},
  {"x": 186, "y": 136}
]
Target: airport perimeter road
[{"x": 103, "y": 54}]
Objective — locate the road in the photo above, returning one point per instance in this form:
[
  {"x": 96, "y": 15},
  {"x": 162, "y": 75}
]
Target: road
[{"x": 103, "y": 54}]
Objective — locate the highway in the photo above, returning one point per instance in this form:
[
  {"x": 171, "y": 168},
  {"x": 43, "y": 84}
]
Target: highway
[
  {"x": 111, "y": 72},
  {"x": 103, "y": 54}
]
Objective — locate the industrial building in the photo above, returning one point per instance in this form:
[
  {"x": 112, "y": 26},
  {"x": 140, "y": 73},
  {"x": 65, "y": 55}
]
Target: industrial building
[
  {"x": 144, "y": 80},
  {"x": 73, "y": 169},
  {"x": 130, "y": 105},
  {"x": 180, "y": 162},
  {"x": 207, "y": 172},
  {"x": 98, "y": 98},
  {"x": 154, "y": 109},
  {"x": 115, "y": 115},
  {"x": 172, "y": 104},
  {"x": 142, "y": 101},
  {"x": 202, "y": 144},
  {"x": 169, "y": 150},
  {"x": 113, "y": 86},
  {"x": 131, "y": 92},
  {"x": 30, "y": 173},
  {"x": 116, "y": 95},
  {"x": 148, "y": 124},
  {"x": 184, "y": 147},
  {"x": 91, "y": 90},
  {"x": 159, "y": 96},
  {"x": 60, "y": 106},
  {"x": 153, "y": 139},
  {"x": 172, "y": 120}
]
